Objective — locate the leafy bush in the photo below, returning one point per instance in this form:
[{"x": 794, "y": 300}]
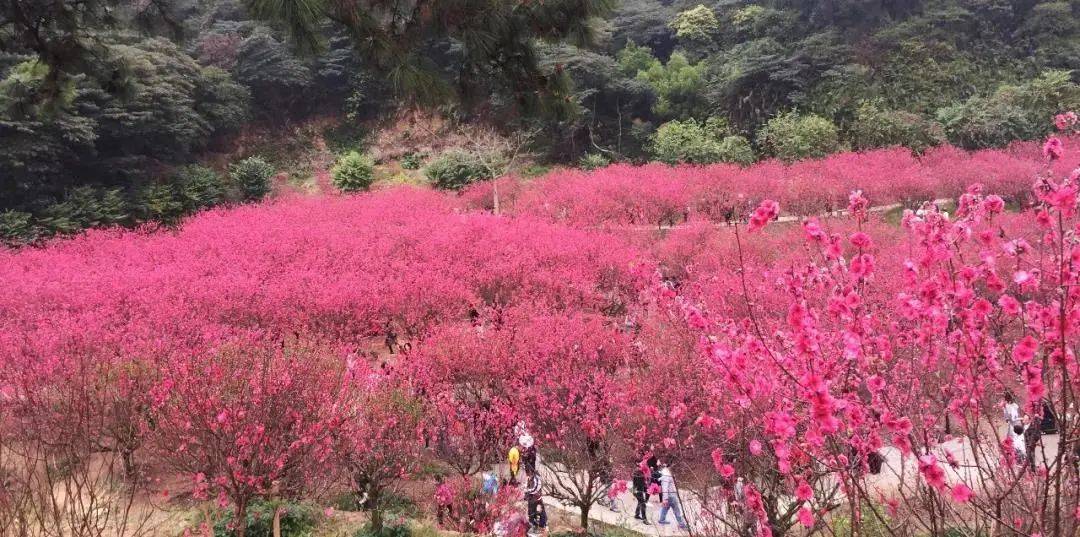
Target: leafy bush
[
  {"x": 792, "y": 136},
  {"x": 692, "y": 142},
  {"x": 1013, "y": 112},
  {"x": 16, "y": 228},
  {"x": 251, "y": 177},
  {"x": 412, "y": 161},
  {"x": 199, "y": 187},
  {"x": 160, "y": 202},
  {"x": 297, "y": 520},
  {"x": 355, "y": 171},
  {"x": 592, "y": 161},
  {"x": 535, "y": 170},
  {"x": 455, "y": 169},
  {"x": 875, "y": 127},
  {"x": 396, "y": 530},
  {"x": 871, "y": 526}
]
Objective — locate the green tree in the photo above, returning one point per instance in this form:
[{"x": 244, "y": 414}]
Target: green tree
[
  {"x": 354, "y": 171},
  {"x": 455, "y": 169},
  {"x": 679, "y": 87},
  {"x": 877, "y": 127},
  {"x": 692, "y": 142},
  {"x": 1012, "y": 112},
  {"x": 696, "y": 28},
  {"x": 793, "y": 136},
  {"x": 251, "y": 177}
]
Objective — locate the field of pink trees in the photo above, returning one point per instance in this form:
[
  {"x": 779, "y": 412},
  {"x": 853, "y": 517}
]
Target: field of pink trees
[
  {"x": 319, "y": 344},
  {"x": 657, "y": 194}
]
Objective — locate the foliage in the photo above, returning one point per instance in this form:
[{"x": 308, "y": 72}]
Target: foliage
[
  {"x": 455, "y": 169},
  {"x": 353, "y": 172},
  {"x": 199, "y": 187},
  {"x": 299, "y": 519},
  {"x": 696, "y": 26},
  {"x": 792, "y": 136},
  {"x": 692, "y": 142},
  {"x": 592, "y": 161},
  {"x": 412, "y": 161},
  {"x": 16, "y": 228},
  {"x": 251, "y": 177},
  {"x": 159, "y": 202},
  {"x": 679, "y": 86},
  {"x": 1012, "y": 112},
  {"x": 873, "y": 127},
  {"x": 396, "y": 530}
]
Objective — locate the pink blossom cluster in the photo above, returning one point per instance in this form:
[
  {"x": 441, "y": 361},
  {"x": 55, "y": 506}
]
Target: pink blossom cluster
[
  {"x": 655, "y": 194},
  {"x": 787, "y": 372}
]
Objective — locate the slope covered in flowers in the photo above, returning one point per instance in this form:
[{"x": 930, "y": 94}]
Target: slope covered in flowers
[
  {"x": 658, "y": 194},
  {"x": 273, "y": 349}
]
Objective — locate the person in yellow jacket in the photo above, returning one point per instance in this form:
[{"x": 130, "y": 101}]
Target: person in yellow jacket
[{"x": 514, "y": 457}]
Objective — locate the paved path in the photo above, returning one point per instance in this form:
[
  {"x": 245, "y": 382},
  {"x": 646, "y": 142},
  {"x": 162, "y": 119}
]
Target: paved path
[
  {"x": 780, "y": 219},
  {"x": 894, "y": 469}
]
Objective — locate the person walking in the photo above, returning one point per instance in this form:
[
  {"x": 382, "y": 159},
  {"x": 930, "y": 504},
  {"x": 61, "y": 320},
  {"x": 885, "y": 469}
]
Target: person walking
[
  {"x": 1011, "y": 410},
  {"x": 534, "y": 498},
  {"x": 641, "y": 494},
  {"x": 514, "y": 459},
  {"x": 528, "y": 450},
  {"x": 669, "y": 496}
]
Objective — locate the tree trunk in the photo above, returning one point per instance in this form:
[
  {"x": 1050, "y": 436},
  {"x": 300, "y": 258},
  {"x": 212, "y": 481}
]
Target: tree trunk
[
  {"x": 376, "y": 512},
  {"x": 585, "y": 518},
  {"x": 277, "y": 521},
  {"x": 127, "y": 456},
  {"x": 241, "y": 518}
]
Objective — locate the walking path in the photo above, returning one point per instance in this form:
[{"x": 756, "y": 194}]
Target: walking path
[
  {"x": 780, "y": 219},
  {"x": 894, "y": 469}
]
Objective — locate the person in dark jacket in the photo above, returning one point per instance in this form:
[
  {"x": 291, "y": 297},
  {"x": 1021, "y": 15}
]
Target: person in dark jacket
[{"x": 641, "y": 494}]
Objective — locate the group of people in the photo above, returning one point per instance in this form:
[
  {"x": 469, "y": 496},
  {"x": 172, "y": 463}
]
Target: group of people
[
  {"x": 1024, "y": 432},
  {"x": 652, "y": 475},
  {"x": 523, "y": 460}
]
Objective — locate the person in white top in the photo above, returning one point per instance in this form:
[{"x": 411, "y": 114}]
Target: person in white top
[
  {"x": 1012, "y": 410},
  {"x": 670, "y": 496}
]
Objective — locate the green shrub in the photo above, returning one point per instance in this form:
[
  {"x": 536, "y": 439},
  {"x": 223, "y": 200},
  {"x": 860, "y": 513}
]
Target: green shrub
[
  {"x": 874, "y": 127},
  {"x": 113, "y": 207},
  {"x": 535, "y": 170},
  {"x": 354, "y": 172},
  {"x": 1013, "y": 112},
  {"x": 692, "y": 142},
  {"x": 16, "y": 228},
  {"x": 297, "y": 520},
  {"x": 251, "y": 177},
  {"x": 395, "y": 530},
  {"x": 592, "y": 161},
  {"x": 792, "y": 136},
  {"x": 455, "y": 169},
  {"x": 412, "y": 161},
  {"x": 199, "y": 187},
  {"x": 871, "y": 526},
  {"x": 159, "y": 202}
]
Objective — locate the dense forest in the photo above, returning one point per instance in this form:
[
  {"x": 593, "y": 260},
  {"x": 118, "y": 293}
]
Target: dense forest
[{"x": 117, "y": 111}]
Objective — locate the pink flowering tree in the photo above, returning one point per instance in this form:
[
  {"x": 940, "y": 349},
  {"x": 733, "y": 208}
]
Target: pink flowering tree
[
  {"x": 465, "y": 372},
  {"x": 249, "y": 421},
  {"x": 845, "y": 380},
  {"x": 380, "y": 440},
  {"x": 571, "y": 395}
]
